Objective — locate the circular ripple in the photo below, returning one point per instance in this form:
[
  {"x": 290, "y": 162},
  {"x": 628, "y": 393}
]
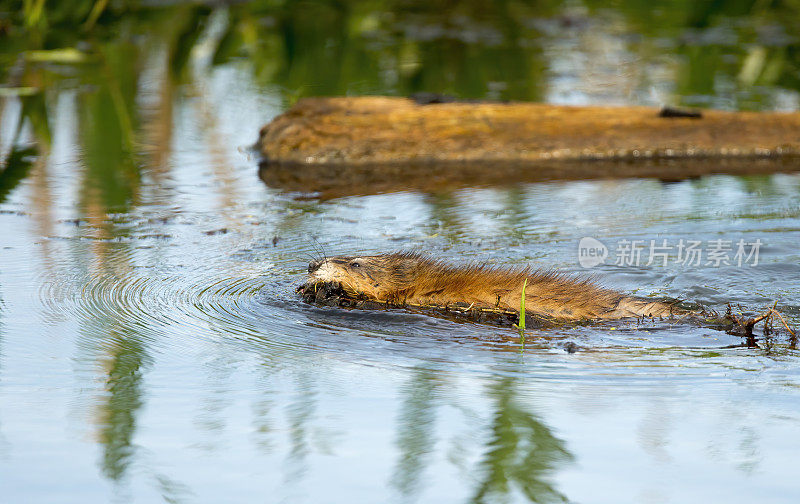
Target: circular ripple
[
  {"x": 153, "y": 305},
  {"x": 260, "y": 313}
]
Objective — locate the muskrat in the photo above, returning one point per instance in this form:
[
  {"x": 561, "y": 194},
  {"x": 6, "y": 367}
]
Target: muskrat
[{"x": 410, "y": 279}]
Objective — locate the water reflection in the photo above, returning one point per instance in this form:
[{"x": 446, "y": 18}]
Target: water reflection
[
  {"x": 15, "y": 169},
  {"x": 415, "y": 432},
  {"x": 301, "y": 413},
  {"x": 120, "y": 351},
  {"x": 738, "y": 54},
  {"x": 125, "y": 365},
  {"x": 521, "y": 453},
  {"x": 4, "y": 444},
  {"x": 123, "y": 296},
  {"x": 108, "y": 126},
  {"x": 444, "y": 217},
  {"x": 328, "y": 182}
]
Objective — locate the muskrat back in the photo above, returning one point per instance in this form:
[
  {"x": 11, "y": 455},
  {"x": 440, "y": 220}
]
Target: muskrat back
[{"x": 403, "y": 279}]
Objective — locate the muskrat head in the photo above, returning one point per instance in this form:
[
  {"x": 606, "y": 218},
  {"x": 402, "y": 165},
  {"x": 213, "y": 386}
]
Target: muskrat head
[{"x": 379, "y": 277}]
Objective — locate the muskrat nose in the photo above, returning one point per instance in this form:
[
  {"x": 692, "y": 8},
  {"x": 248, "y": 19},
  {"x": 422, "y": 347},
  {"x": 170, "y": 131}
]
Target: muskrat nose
[{"x": 313, "y": 265}]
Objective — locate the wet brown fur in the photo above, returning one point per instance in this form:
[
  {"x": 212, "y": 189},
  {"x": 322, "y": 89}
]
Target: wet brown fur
[{"x": 401, "y": 279}]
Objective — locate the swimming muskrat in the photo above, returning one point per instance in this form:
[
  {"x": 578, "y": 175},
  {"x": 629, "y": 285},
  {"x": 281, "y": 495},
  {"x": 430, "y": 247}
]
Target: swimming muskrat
[{"x": 413, "y": 280}]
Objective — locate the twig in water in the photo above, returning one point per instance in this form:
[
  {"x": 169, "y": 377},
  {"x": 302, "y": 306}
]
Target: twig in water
[{"x": 746, "y": 325}]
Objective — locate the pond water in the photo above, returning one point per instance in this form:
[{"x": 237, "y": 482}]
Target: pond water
[{"x": 152, "y": 346}]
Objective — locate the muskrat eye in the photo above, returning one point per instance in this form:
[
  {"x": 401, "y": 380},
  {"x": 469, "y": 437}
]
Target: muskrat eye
[{"x": 355, "y": 264}]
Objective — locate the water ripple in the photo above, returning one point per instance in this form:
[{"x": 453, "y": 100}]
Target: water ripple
[
  {"x": 151, "y": 305},
  {"x": 258, "y": 312}
]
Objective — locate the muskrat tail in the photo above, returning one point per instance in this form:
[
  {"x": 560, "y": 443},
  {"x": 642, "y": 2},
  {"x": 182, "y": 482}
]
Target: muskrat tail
[{"x": 638, "y": 307}]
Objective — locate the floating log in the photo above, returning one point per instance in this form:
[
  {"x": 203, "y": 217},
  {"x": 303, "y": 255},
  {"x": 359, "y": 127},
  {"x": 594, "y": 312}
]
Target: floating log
[
  {"x": 373, "y": 130},
  {"x": 360, "y": 138}
]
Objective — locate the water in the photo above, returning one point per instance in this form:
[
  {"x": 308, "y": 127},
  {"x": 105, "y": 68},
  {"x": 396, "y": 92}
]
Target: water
[{"x": 152, "y": 346}]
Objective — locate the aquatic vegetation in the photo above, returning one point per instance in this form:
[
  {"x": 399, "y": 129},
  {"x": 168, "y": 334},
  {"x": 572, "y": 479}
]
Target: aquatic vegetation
[{"x": 521, "y": 324}]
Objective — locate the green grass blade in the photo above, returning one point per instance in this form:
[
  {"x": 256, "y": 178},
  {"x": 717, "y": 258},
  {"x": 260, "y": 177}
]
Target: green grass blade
[{"x": 521, "y": 325}]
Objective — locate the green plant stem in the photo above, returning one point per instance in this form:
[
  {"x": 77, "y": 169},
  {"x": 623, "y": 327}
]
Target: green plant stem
[{"x": 521, "y": 325}]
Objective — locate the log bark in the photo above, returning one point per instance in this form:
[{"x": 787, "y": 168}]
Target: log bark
[
  {"x": 350, "y": 146},
  {"x": 379, "y": 130}
]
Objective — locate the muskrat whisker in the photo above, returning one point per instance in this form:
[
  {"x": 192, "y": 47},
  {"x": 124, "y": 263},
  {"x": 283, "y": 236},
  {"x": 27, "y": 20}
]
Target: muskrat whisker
[
  {"x": 322, "y": 249},
  {"x": 318, "y": 250}
]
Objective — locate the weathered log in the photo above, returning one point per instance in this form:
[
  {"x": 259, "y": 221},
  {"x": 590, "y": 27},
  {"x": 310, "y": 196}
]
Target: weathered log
[
  {"x": 372, "y": 130},
  {"x": 356, "y": 144}
]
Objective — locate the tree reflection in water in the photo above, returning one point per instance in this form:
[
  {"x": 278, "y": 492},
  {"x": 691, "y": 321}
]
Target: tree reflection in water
[
  {"x": 127, "y": 67},
  {"x": 519, "y": 454}
]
